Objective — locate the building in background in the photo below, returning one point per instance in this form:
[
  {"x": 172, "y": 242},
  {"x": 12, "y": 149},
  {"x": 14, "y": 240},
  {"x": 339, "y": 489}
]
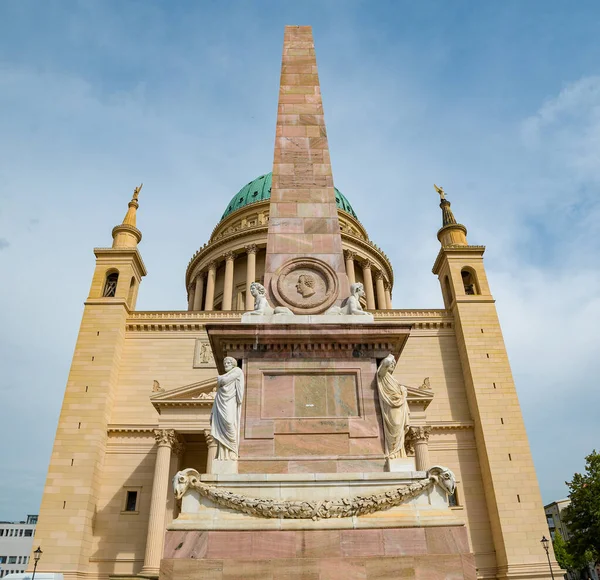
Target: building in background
[
  {"x": 16, "y": 541},
  {"x": 554, "y": 518}
]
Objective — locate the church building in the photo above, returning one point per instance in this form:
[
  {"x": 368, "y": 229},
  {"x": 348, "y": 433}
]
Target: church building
[{"x": 289, "y": 423}]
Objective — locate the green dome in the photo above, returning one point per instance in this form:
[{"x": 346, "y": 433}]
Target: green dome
[{"x": 260, "y": 190}]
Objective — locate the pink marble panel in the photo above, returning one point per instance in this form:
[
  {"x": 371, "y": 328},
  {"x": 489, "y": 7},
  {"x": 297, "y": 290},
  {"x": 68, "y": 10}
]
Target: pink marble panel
[
  {"x": 306, "y": 569},
  {"x": 262, "y": 466},
  {"x": 258, "y": 428},
  {"x": 390, "y": 568},
  {"x": 360, "y": 465},
  {"x": 257, "y": 447},
  {"x": 179, "y": 544},
  {"x": 333, "y": 425},
  {"x": 190, "y": 569},
  {"x": 318, "y": 544},
  {"x": 285, "y": 225},
  {"x": 267, "y": 544},
  {"x": 308, "y": 444},
  {"x": 277, "y": 396},
  {"x": 404, "y": 541},
  {"x": 366, "y": 446},
  {"x": 469, "y": 569},
  {"x": 343, "y": 569},
  {"x": 283, "y": 210},
  {"x": 320, "y": 226},
  {"x": 361, "y": 543},
  {"x": 326, "y": 466},
  {"x": 444, "y": 541},
  {"x": 365, "y": 427},
  {"x": 229, "y": 545}
]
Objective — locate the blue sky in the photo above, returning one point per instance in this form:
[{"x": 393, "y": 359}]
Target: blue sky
[{"x": 499, "y": 102}]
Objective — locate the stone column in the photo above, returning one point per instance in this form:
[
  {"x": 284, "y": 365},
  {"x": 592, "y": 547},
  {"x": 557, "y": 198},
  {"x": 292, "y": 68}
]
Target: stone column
[
  {"x": 191, "y": 292},
  {"x": 199, "y": 293},
  {"x": 210, "y": 286},
  {"x": 368, "y": 284},
  {"x": 418, "y": 439},
  {"x": 250, "y": 274},
  {"x": 381, "y": 301},
  {"x": 212, "y": 450},
  {"x": 165, "y": 438},
  {"x": 388, "y": 295},
  {"x": 228, "y": 285},
  {"x": 349, "y": 256}
]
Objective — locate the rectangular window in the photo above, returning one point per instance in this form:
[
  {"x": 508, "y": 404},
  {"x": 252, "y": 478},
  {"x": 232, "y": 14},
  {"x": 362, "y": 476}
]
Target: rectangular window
[
  {"x": 19, "y": 559},
  {"x": 28, "y": 533},
  {"x": 2, "y": 559},
  {"x": 20, "y": 533},
  {"x": 2, "y": 532},
  {"x": 12, "y": 559},
  {"x": 131, "y": 501}
]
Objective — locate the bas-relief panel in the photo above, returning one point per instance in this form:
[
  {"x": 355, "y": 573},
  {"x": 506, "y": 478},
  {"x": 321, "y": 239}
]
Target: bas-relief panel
[{"x": 203, "y": 356}]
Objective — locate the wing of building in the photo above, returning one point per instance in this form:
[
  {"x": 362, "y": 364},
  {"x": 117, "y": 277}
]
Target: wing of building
[{"x": 325, "y": 457}]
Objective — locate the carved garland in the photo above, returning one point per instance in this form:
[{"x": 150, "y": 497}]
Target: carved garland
[{"x": 313, "y": 510}]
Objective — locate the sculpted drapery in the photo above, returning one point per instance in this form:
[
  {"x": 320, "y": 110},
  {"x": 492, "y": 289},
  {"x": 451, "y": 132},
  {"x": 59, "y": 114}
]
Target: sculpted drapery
[
  {"x": 227, "y": 410},
  {"x": 394, "y": 408}
]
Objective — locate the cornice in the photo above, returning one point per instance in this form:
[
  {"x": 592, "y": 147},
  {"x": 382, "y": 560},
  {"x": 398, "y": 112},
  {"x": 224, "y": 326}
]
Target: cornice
[
  {"x": 451, "y": 425},
  {"x": 131, "y": 429},
  {"x": 454, "y": 249},
  {"x": 124, "y": 252}
]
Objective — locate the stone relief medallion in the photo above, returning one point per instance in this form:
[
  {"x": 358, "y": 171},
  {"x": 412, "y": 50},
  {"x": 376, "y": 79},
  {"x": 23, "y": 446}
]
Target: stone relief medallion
[{"x": 305, "y": 286}]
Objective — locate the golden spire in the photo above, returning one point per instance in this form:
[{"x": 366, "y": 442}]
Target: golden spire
[
  {"x": 127, "y": 235},
  {"x": 130, "y": 216},
  {"x": 451, "y": 233}
]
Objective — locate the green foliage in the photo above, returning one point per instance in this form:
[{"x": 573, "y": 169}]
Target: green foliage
[
  {"x": 564, "y": 559},
  {"x": 583, "y": 514}
]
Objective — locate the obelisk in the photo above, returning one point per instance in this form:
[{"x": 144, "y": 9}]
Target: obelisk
[{"x": 303, "y": 219}]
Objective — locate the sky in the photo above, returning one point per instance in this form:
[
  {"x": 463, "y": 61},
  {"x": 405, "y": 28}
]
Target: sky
[{"x": 498, "y": 102}]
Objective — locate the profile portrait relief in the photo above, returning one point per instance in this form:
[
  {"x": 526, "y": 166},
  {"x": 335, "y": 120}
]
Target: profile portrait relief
[{"x": 306, "y": 285}]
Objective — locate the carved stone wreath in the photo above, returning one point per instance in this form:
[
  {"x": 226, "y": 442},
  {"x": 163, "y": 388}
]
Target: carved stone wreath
[
  {"x": 313, "y": 510},
  {"x": 305, "y": 286}
]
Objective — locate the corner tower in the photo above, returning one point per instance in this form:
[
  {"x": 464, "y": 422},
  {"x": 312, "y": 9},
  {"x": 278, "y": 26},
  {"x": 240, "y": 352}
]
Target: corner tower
[
  {"x": 510, "y": 484},
  {"x": 75, "y": 473}
]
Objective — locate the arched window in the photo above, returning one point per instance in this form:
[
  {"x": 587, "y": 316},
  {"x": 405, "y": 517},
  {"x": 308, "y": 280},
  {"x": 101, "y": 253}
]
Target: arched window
[
  {"x": 469, "y": 279},
  {"x": 447, "y": 293},
  {"x": 110, "y": 286}
]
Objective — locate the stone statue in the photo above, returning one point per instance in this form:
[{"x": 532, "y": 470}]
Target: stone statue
[
  {"x": 261, "y": 305},
  {"x": 352, "y": 304},
  {"x": 394, "y": 408},
  {"x": 306, "y": 285},
  {"x": 227, "y": 410}
]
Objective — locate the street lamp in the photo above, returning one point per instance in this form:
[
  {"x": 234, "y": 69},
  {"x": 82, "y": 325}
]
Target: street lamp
[
  {"x": 546, "y": 543},
  {"x": 36, "y": 558}
]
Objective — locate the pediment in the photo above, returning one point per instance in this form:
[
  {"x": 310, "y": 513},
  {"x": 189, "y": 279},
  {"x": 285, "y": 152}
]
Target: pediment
[
  {"x": 196, "y": 394},
  {"x": 419, "y": 395}
]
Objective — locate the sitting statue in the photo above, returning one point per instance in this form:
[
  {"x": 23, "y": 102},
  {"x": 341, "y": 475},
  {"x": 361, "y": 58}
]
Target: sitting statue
[
  {"x": 352, "y": 304},
  {"x": 261, "y": 305}
]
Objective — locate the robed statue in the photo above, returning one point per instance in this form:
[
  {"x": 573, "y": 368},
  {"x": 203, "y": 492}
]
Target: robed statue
[
  {"x": 394, "y": 408},
  {"x": 227, "y": 410}
]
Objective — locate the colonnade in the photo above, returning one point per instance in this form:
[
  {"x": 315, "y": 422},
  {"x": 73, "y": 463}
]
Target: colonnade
[{"x": 378, "y": 294}]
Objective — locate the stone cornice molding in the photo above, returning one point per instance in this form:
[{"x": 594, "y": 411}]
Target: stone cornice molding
[
  {"x": 116, "y": 429},
  {"x": 126, "y": 253},
  {"x": 467, "y": 250}
]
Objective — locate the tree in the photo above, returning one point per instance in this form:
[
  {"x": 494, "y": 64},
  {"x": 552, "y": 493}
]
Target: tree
[
  {"x": 564, "y": 559},
  {"x": 583, "y": 514}
]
